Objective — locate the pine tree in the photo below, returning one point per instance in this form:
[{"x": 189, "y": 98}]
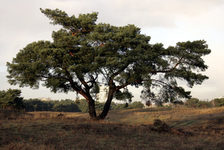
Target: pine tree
[{"x": 85, "y": 54}]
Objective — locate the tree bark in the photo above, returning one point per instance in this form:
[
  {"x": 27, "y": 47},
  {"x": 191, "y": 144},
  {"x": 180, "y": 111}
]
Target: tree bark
[
  {"x": 92, "y": 110},
  {"x": 106, "y": 107}
]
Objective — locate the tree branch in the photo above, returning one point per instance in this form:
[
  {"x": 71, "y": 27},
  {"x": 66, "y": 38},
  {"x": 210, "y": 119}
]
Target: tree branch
[
  {"x": 128, "y": 83},
  {"x": 169, "y": 70},
  {"x": 81, "y": 79},
  {"x": 76, "y": 87},
  {"x": 119, "y": 71},
  {"x": 92, "y": 81},
  {"x": 162, "y": 83}
]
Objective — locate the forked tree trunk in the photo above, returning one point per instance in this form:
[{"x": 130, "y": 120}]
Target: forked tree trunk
[{"x": 106, "y": 108}]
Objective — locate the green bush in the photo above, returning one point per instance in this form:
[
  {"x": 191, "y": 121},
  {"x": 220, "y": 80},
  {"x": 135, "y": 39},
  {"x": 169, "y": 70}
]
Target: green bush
[
  {"x": 11, "y": 99},
  {"x": 204, "y": 104},
  {"x": 218, "y": 102},
  {"x": 135, "y": 105},
  {"x": 196, "y": 103},
  {"x": 193, "y": 102},
  {"x": 115, "y": 106},
  {"x": 99, "y": 106}
]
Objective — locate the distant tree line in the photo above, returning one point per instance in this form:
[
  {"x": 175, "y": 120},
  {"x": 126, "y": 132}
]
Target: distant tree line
[
  {"x": 72, "y": 106},
  {"x": 196, "y": 103},
  {"x": 53, "y": 105},
  {"x": 11, "y": 100}
]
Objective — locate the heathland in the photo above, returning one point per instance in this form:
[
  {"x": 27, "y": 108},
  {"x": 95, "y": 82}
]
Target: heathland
[{"x": 170, "y": 128}]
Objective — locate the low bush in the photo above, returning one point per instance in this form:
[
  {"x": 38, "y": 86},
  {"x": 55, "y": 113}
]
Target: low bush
[
  {"x": 193, "y": 102},
  {"x": 196, "y": 103},
  {"x": 135, "y": 105},
  {"x": 204, "y": 104},
  {"x": 115, "y": 106},
  {"x": 218, "y": 102}
]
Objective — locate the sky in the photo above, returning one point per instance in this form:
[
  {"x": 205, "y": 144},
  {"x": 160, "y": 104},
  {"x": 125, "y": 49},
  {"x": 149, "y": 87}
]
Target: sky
[{"x": 166, "y": 21}]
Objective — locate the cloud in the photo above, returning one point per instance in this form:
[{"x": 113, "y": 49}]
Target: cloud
[
  {"x": 144, "y": 13},
  {"x": 167, "y": 21}
]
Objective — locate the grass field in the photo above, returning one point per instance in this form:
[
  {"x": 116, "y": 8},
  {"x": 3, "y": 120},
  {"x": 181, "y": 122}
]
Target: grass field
[{"x": 188, "y": 129}]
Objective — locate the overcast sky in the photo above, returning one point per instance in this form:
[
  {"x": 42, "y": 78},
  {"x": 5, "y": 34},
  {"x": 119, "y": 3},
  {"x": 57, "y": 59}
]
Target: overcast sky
[{"x": 166, "y": 21}]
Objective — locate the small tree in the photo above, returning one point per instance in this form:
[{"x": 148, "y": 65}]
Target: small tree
[
  {"x": 85, "y": 54},
  {"x": 11, "y": 99}
]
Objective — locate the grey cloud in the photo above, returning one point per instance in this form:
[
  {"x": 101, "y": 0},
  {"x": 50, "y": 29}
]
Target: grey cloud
[
  {"x": 144, "y": 13},
  {"x": 22, "y": 22}
]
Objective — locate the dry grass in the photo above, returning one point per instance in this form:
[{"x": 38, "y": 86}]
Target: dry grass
[
  {"x": 191, "y": 129},
  {"x": 167, "y": 114}
]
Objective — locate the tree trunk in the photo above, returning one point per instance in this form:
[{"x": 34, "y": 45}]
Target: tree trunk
[
  {"x": 92, "y": 110},
  {"x": 106, "y": 107},
  {"x": 91, "y": 104}
]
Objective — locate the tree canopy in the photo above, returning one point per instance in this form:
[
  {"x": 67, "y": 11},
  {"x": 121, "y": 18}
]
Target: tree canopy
[{"x": 85, "y": 54}]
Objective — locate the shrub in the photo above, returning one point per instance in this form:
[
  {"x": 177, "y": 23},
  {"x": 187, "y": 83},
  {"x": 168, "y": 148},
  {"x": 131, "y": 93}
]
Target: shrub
[
  {"x": 204, "y": 104},
  {"x": 218, "y": 102},
  {"x": 11, "y": 99},
  {"x": 99, "y": 106},
  {"x": 196, "y": 103},
  {"x": 115, "y": 106},
  {"x": 193, "y": 102},
  {"x": 135, "y": 105},
  {"x": 83, "y": 105},
  {"x": 178, "y": 102}
]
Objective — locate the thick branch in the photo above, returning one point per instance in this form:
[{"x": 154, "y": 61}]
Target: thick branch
[
  {"x": 92, "y": 81},
  {"x": 169, "y": 70},
  {"x": 81, "y": 79},
  {"x": 76, "y": 87}
]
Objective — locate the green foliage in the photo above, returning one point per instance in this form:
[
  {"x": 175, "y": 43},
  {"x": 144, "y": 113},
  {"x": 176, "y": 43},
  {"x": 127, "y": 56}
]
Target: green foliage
[
  {"x": 115, "y": 106},
  {"x": 11, "y": 99},
  {"x": 83, "y": 105},
  {"x": 193, "y": 102},
  {"x": 218, "y": 102},
  {"x": 61, "y": 106},
  {"x": 99, "y": 106},
  {"x": 196, "y": 103},
  {"x": 124, "y": 95},
  {"x": 66, "y": 106},
  {"x": 135, "y": 105},
  {"x": 204, "y": 104}
]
